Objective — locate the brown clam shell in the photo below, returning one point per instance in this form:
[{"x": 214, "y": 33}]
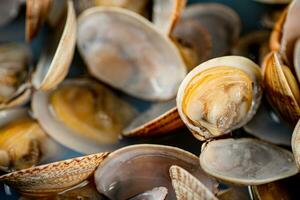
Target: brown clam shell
[
  {"x": 54, "y": 177},
  {"x": 36, "y": 14},
  {"x": 163, "y": 124}
]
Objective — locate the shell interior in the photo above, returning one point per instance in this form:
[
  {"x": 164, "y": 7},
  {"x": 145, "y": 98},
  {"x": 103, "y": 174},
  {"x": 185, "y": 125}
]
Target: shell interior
[
  {"x": 188, "y": 187},
  {"x": 128, "y": 53},
  {"x": 135, "y": 169},
  {"x": 247, "y": 161},
  {"x": 89, "y": 128},
  {"x": 222, "y": 23},
  {"x": 157, "y": 193},
  {"x": 56, "y": 58},
  {"x": 165, "y": 14},
  {"x": 290, "y": 32}
]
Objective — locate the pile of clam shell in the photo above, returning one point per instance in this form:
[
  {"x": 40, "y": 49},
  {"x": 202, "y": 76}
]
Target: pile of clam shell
[{"x": 121, "y": 83}]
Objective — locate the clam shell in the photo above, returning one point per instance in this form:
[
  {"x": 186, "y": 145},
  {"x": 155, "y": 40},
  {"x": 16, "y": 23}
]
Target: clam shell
[
  {"x": 187, "y": 187},
  {"x": 54, "y": 177},
  {"x": 73, "y": 138},
  {"x": 297, "y": 59},
  {"x": 55, "y": 61},
  {"x": 277, "y": 32},
  {"x": 296, "y": 144},
  {"x": 241, "y": 63},
  {"x": 17, "y": 58},
  {"x": 246, "y": 161},
  {"x": 221, "y": 22},
  {"x": 161, "y": 118},
  {"x": 158, "y": 193},
  {"x": 282, "y": 88},
  {"x": 143, "y": 74},
  {"x": 166, "y": 13},
  {"x": 137, "y": 168},
  {"x": 36, "y": 14},
  {"x": 290, "y": 32}
]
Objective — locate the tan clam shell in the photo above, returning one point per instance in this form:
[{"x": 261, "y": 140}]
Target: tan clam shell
[
  {"x": 162, "y": 124},
  {"x": 290, "y": 34},
  {"x": 188, "y": 187},
  {"x": 281, "y": 88},
  {"x": 22, "y": 94},
  {"x": 297, "y": 59},
  {"x": 276, "y": 33},
  {"x": 36, "y": 14},
  {"x": 142, "y": 74},
  {"x": 54, "y": 64},
  {"x": 296, "y": 144},
  {"x": 54, "y": 177},
  {"x": 244, "y": 64},
  {"x": 166, "y": 13},
  {"x": 246, "y": 161}
]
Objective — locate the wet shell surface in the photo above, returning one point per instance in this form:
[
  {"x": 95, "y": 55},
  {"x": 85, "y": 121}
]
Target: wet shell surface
[
  {"x": 134, "y": 169},
  {"x": 246, "y": 161},
  {"x": 36, "y": 14},
  {"x": 54, "y": 177},
  {"x": 15, "y": 87},
  {"x": 157, "y": 193},
  {"x": 207, "y": 99},
  {"x": 187, "y": 187},
  {"x": 282, "y": 88},
  {"x": 160, "y": 118},
  {"x": 56, "y": 58},
  {"x": 81, "y": 115},
  {"x": 139, "y": 57}
]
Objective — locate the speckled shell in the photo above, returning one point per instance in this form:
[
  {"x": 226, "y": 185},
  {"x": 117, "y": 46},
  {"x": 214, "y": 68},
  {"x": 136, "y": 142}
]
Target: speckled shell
[{"x": 54, "y": 177}]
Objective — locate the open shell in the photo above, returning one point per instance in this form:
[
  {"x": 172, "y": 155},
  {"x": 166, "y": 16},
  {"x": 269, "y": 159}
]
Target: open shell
[
  {"x": 134, "y": 169},
  {"x": 114, "y": 53},
  {"x": 55, "y": 61},
  {"x": 282, "y": 88},
  {"x": 88, "y": 129},
  {"x": 159, "y": 119},
  {"x": 15, "y": 84},
  {"x": 36, "y": 14},
  {"x": 210, "y": 115},
  {"x": 296, "y": 144},
  {"x": 221, "y": 22},
  {"x": 187, "y": 187},
  {"x": 54, "y": 177},
  {"x": 166, "y": 13},
  {"x": 157, "y": 193},
  {"x": 246, "y": 161}
]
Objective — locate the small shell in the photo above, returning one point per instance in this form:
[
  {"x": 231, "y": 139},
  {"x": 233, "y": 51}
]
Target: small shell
[
  {"x": 36, "y": 14},
  {"x": 282, "y": 88},
  {"x": 15, "y": 86},
  {"x": 55, "y": 61},
  {"x": 277, "y": 32},
  {"x": 297, "y": 59},
  {"x": 188, "y": 187},
  {"x": 159, "y": 119},
  {"x": 211, "y": 108},
  {"x": 166, "y": 13},
  {"x": 54, "y": 177},
  {"x": 246, "y": 161},
  {"x": 157, "y": 193},
  {"x": 296, "y": 144},
  {"x": 120, "y": 43},
  {"x": 290, "y": 32}
]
